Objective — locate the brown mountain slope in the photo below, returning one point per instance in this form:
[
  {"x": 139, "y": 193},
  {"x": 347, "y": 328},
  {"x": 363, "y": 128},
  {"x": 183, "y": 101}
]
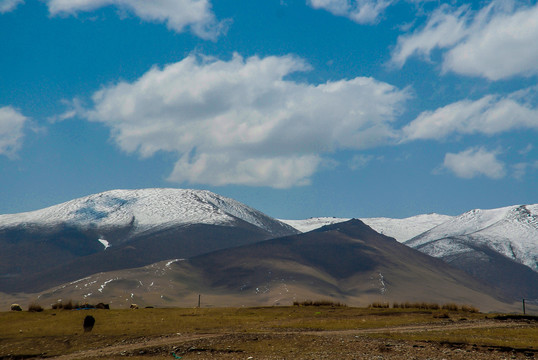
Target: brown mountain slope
[
  {"x": 145, "y": 249},
  {"x": 122, "y": 229},
  {"x": 347, "y": 262}
]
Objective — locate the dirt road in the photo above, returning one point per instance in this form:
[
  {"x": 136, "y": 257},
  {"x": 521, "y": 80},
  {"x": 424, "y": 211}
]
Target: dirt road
[{"x": 340, "y": 344}]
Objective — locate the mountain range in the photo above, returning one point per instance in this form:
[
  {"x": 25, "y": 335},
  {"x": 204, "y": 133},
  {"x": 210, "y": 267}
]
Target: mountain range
[
  {"x": 497, "y": 246},
  {"x": 122, "y": 229},
  {"x": 400, "y": 229},
  {"x": 165, "y": 246},
  {"x": 346, "y": 262}
]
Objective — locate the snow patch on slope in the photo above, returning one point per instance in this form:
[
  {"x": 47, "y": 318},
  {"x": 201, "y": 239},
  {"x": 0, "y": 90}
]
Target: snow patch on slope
[{"x": 105, "y": 243}]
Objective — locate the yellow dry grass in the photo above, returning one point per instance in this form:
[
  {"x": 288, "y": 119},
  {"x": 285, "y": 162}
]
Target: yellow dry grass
[{"x": 56, "y": 332}]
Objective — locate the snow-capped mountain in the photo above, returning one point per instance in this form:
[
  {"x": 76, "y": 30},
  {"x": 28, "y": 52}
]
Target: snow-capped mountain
[
  {"x": 511, "y": 231},
  {"x": 313, "y": 223},
  {"x": 400, "y": 229},
  {"x": 145, "y": 209},
  {"x": 499, "y": 246},
  {"x": 347, "y": 262},
  {"x": 122, "y": 229}
]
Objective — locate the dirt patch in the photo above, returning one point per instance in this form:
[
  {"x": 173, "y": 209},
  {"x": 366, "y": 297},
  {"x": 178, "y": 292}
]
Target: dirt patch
[{"x": 343, "y": 344}]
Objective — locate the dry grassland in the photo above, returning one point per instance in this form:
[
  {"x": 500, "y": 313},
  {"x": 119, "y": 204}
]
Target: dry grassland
[{"x": 299, "y": 332}]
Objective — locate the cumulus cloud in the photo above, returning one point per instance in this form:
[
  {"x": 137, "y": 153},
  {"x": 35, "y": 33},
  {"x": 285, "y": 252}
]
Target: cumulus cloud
[
  {"x": 242, "y": 122},
  {"x": 444, "y": 28},
  {"x": 177, "y": 14},
  {"x": 497, "y": 42},
  {"x": 489, "y": 115},
  {"x": 9, "y": 5},
  {"x": 475, "y": 162},
  {"x": 11, "y": 130},
  {"x": 360, "y": 11}
]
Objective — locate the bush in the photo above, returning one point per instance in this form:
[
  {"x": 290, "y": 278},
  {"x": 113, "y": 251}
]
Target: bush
[
  {"x": 469, "y": 308},
  {"x": 65, "y": 306},
  {"x": 434, "y": 306},
  {"x": 416, "y": 305},
  {"x": 34, "y": 307},
  {"x": 441, "y": 315},
  {"x": 450, "y": 307},
  {"x": 379, "y": 305},
  {"x": 318, "y": 303}
]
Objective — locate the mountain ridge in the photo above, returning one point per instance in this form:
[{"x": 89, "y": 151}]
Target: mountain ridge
[
  {"x": 347, "y": 262},
  {"x": 400, "y": 229},
  {"x": 511, "y": 231},
  {"x": 120, "y": 229},
  {"x": 142, "y": 209}
]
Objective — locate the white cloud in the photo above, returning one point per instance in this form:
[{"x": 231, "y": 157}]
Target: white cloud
[
  {"x": 11, "y": 130},
  {"x": 360, "y": 161},
  {"x": 443, "y": 29},
  {"x": 496, "y": 42},
  {"x": 489, "y": 115},
  {"x": 527, "y": 149},
  {"x": 474, "y": 162},
  {"x": 241, "y": 122},
  {"x": 360, "y": 11},
  {"x": 520, "y": 169},
  {"x": 177, "y": 14},
  {"x": 9, "y": 5}
]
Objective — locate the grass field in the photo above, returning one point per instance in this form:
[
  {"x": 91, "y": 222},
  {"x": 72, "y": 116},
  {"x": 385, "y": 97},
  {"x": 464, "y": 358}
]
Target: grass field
[{"x": 276, "y": 330}]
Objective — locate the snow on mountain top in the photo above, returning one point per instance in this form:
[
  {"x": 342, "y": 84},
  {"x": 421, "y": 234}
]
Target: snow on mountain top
[
  {"x": 511, "y": 231},
  {"x": 400, "y": 229},
  {"x": 479, "y": 220},
  {"x": 144, "y": 208},
  {"x": 313, "y": 223},
  {"x": 405, "y": 229}
]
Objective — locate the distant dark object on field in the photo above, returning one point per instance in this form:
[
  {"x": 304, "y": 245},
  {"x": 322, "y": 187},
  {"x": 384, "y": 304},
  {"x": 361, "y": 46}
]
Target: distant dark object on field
[
  {"x": 16, "y": 307},
  {"x": 133, "y": 307},
  {"x": 89, "y": 321},
  {"x": 102, "y": 306}
]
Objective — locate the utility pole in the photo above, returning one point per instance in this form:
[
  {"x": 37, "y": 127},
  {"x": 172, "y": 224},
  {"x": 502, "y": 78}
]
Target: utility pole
[
  {"x": 201, "y": 295},
  {"x": 523, "y": 306}
]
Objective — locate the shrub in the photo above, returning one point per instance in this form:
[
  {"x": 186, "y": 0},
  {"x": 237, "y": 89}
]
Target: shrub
[
  {"x": 450, "y": 307},
  {"x": 69, "y": 305},
  {"x": 469, "y": 308},
  {"x": 379, "y": 305},
  {"x": 318, "y": 303},
  {"x": 35, "y": 307},
  {"x": 103, "y": 306},
  {"x": 65, "y": 306},
  {"x": 441, "y": 315}
]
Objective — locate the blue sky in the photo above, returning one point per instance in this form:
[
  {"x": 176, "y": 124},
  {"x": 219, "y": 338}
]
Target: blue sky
[{"x": 299, "y": 108}]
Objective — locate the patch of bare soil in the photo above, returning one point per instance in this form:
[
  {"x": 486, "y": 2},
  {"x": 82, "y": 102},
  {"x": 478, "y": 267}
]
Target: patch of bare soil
[{"x": 347, "y": 344}]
